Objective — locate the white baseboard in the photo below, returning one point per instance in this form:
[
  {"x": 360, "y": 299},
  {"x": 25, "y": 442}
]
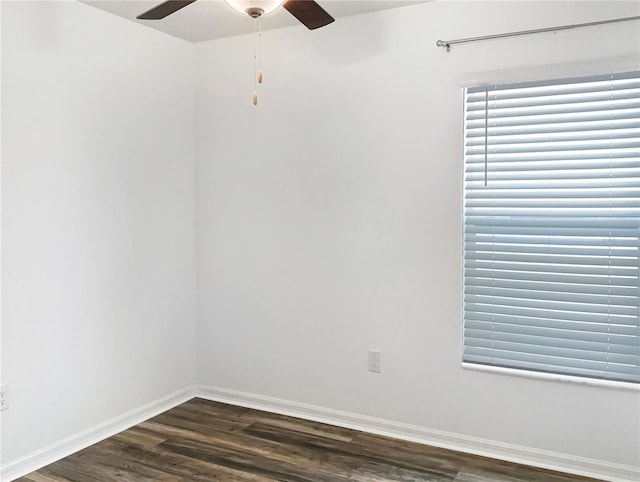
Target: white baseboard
[
  {"x": 74, "y": 443},
  {"x": 463, "y": 443}
]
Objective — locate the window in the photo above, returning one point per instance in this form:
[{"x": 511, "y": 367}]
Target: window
[{"x": 552, "y": 226}]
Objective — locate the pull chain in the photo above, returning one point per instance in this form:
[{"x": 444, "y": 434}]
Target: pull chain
[
  {"x": 255, "y": 65},
  {"x": 260, "y": 50}
]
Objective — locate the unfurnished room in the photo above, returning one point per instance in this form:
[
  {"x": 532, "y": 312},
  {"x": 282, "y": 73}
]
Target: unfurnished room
[{"x": 320, "y": 240}]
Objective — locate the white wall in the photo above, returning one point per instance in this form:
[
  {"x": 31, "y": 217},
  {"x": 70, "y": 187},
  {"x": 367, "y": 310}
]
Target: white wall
[
  {"x": 329, "y": 219},
  {"x": 98, "y": 235}
]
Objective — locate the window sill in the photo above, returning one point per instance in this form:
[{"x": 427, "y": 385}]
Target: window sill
[{"x": 552, "y": 377}]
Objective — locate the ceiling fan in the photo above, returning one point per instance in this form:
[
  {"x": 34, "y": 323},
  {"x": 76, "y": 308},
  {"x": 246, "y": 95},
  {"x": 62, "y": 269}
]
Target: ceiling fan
[{"x": 308, "y": 12}]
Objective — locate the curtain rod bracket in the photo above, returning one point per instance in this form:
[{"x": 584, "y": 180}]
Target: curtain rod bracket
[{"x": 442, "y": 43}]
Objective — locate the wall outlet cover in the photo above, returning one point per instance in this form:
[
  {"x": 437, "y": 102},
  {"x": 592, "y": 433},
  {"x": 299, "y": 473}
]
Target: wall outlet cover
[{"x": 375, "y": 361}]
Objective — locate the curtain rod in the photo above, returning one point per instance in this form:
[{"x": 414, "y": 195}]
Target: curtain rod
[{"x": 449, "y": 43}]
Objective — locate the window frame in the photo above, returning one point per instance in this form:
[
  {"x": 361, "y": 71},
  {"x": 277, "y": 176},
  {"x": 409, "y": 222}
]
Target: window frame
[{"x": 515, "y": 371}]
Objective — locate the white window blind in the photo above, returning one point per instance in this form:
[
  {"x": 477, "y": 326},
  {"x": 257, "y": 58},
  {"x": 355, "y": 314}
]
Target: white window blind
[{"x": 552, "y": 226}]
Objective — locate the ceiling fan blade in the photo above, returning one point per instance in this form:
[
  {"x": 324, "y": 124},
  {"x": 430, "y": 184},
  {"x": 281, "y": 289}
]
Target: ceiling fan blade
[
  {"x": 309, "y": 13},
  {"x": 164, "y": 9}
]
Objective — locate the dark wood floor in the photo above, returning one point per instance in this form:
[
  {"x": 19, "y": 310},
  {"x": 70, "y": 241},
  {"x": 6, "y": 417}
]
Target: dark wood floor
[{"x": 206, "y": 441}]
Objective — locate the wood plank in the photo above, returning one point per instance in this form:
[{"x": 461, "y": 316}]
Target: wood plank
[
  {"x": 350, "y": 458},
  {"x": 183, "y": 467},
  {"x": 137, "y": 436}
]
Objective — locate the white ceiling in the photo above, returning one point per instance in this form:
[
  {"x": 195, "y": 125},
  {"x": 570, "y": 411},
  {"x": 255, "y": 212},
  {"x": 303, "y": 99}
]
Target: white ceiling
[{"x": 210, "y": 19}]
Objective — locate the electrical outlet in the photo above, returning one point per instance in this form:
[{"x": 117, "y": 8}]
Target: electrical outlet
[
  {"x": 375, "y": 361},
  {"x": 4, "y": 397}
]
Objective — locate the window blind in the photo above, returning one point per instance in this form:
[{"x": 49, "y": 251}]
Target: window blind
[{"x": 552, "y": 226}]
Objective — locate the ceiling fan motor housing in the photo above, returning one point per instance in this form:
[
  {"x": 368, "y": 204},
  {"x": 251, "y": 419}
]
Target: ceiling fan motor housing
[
  {"x": 255, "y": 8},
  {"x": 254, "y": 12}
]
